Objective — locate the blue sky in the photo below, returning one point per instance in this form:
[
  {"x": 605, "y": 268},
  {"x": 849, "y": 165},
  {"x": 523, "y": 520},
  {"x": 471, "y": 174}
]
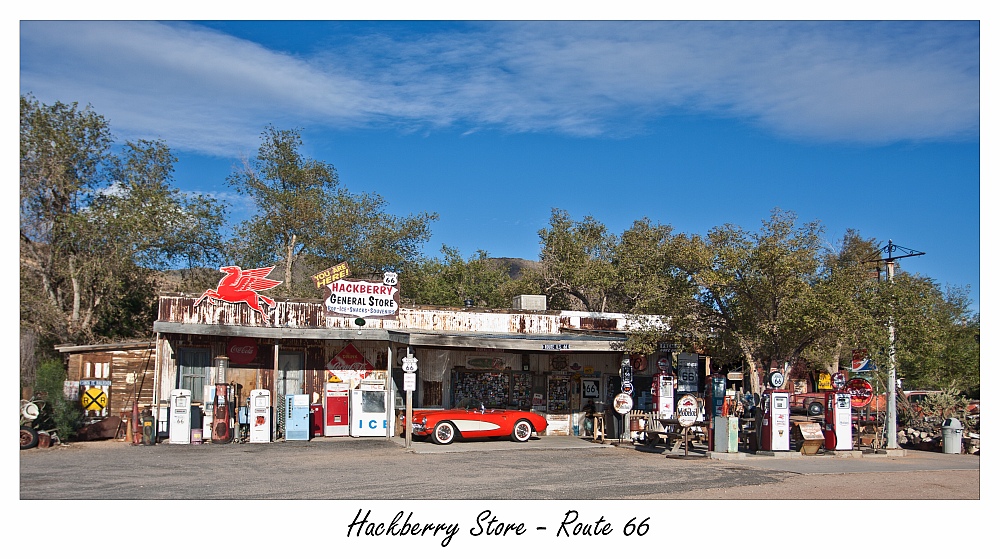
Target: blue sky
[{"x": 867, "y": 125}]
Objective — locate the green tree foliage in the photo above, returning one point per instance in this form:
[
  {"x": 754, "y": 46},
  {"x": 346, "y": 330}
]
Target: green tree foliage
[
  {"x": 766, "y": 298},
  {"x": 937, "y": 337},
  {"x": 758, "y": 291},
  {"x": 66, "y": 414},
  {"x": 95, "y": 225},
  {"x": 306, "y": 221},
  {"x": 450, "y": 280},
  {"x": 577, "y": 270}
]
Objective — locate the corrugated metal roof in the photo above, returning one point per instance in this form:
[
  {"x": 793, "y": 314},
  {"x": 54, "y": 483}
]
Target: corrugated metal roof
[{"x": 105, "y": 347}]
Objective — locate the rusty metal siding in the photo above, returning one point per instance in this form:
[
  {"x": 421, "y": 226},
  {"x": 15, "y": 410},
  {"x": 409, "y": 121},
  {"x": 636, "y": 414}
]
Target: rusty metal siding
[
  {"x": 588, "y": 323},
  {"x": 298, "y": 314}
]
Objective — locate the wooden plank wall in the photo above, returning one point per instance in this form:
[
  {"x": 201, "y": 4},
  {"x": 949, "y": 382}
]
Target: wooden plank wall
[{"x": 132, "y": 373}]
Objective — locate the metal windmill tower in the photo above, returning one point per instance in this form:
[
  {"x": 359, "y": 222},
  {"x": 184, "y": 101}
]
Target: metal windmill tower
[{"x": 890, "y": 412}]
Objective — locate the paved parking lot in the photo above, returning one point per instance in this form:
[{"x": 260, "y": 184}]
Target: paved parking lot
[{"x": 542, "y": 468}]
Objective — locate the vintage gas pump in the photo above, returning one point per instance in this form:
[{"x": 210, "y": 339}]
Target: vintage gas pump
[
  {"x": 776, "y": 423},
  {"x": 663, "y": 395},
  {"x": 775, "y": 427},
  {"x": 837, "y": 421},
  {"x": 724, "y": 431},
  {"x": 718, "y": 394},
  {"x": 148, "y": 428},
  {"x": 180, "y": 416},
  {"x": 208, "y": 411},
  {"x": 222, "y": 414},
  {"x": 260, "y": 416}
]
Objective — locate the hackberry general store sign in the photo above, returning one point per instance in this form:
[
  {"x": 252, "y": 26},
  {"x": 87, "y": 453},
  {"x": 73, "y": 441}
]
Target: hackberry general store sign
[{"x": 360, "y": 298}]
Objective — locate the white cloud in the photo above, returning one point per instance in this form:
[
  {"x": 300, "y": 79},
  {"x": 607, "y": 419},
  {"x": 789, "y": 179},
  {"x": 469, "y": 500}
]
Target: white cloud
[{"x": 202, "y": 90}]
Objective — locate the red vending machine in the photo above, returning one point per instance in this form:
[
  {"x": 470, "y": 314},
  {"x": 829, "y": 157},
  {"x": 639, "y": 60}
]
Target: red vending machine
[
  {"x": 837, "y": 430},
  {"x": 315, "y": 420},
  {"x": 336, "y": 409}
]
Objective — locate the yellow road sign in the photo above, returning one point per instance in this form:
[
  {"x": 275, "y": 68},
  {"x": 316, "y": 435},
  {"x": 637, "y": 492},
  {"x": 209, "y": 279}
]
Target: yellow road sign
[{"x": 94, "y": 399}]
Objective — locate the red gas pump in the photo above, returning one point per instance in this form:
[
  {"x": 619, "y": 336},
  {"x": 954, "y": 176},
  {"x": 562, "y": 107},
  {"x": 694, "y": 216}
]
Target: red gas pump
[
  {"x": 775, "y": 421},
  {"x": 222, "y": 414},
  {"x": 837, "y": 430}
]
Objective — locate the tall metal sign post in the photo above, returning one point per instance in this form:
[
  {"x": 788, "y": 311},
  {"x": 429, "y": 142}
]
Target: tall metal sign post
[
  {"x": 409, "y": 385},
  {"x": 890, "y": 405}
]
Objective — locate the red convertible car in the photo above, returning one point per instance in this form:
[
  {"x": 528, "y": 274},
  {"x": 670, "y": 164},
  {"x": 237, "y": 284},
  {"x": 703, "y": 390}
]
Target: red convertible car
[{"x": 471, "y": 420}]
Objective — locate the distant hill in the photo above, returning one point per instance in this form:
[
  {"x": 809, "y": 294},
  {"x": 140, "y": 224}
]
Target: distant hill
[{"x": 518, "y": 265}]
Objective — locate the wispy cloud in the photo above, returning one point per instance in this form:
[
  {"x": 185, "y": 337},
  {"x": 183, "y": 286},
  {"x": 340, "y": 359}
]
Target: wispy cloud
[{"x": 202, "y": 90}]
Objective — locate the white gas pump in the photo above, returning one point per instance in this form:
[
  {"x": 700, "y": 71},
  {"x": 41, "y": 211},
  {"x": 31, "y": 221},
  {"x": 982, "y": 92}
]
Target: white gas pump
[
  {"x": 776, "y": 421},
  {"x": 297, "y": 417},
  {"x": 180, "y": 416},
  {"x": 260, "y": 416},
  {"x": 837, "y": 430},
  {"x": 208, "y": 410},
  {"x": 663, "y": 395}
]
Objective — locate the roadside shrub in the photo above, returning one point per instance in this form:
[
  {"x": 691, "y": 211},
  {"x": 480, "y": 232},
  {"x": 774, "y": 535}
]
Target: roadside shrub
[
  {"x": 945, "y": 404},
  {"x": 66, "y": 414}
]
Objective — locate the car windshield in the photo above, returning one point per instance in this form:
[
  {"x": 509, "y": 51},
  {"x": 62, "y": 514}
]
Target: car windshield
[{"x": 470, "y": 404}]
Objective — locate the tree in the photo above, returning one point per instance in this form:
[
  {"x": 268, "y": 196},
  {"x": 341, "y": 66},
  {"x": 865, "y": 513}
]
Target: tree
[
  {"x": 936, "y": 335},
  {"x": 95, "y": 225},
  {"x": 451, "y": 280},
  {"x": 645, "y": 281},
  {"x": 757, "y": 291},
  {"x": 577, "y": 269},
  {"x": 847, "y": 290},
  {"x": 306, "y": 220}
]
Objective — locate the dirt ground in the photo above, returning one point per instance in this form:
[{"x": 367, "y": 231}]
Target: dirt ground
[{"x": 959, "y": 484}]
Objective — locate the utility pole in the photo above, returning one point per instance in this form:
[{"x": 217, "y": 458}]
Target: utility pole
[{"x": 890, "y": 405}]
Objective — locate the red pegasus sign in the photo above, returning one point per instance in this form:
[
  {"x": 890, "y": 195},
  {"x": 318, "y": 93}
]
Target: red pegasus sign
[{"x": 241, "y": 286}]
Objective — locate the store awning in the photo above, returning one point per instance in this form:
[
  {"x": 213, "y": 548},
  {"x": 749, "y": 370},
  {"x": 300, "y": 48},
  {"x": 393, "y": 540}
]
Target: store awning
[
  {"x": 562, "y": 342},
  {"x": 520, "y": 342}
]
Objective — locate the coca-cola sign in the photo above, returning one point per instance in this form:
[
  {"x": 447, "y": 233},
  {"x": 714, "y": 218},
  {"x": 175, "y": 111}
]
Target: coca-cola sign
[
  {"x": 860, "y": 391},
  {"x": 241, "y": 350}
]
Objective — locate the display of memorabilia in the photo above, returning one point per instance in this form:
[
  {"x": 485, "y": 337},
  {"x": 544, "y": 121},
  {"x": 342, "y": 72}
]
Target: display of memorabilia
[
  {"x": 491, "y": 387},
  {"x": 520, "y": 391},
  {"x": 559, "y": 394}
]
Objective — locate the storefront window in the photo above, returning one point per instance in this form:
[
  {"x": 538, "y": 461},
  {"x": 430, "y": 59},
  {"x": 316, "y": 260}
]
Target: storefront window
[
  {"x": 431, "y": 393},
  {"x": 193, "y": 364}
]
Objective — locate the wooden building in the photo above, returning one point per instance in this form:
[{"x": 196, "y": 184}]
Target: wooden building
[{"x": 124, "y": 372}]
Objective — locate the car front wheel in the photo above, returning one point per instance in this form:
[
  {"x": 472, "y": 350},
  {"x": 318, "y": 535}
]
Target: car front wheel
[
  {"x": 815, "y": 408},
  {"x": 444, "y": 433},
  {"x": 522, "y": 431}
]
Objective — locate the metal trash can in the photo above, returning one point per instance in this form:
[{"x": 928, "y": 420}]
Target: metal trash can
[{"x": 951, "y": 436}]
